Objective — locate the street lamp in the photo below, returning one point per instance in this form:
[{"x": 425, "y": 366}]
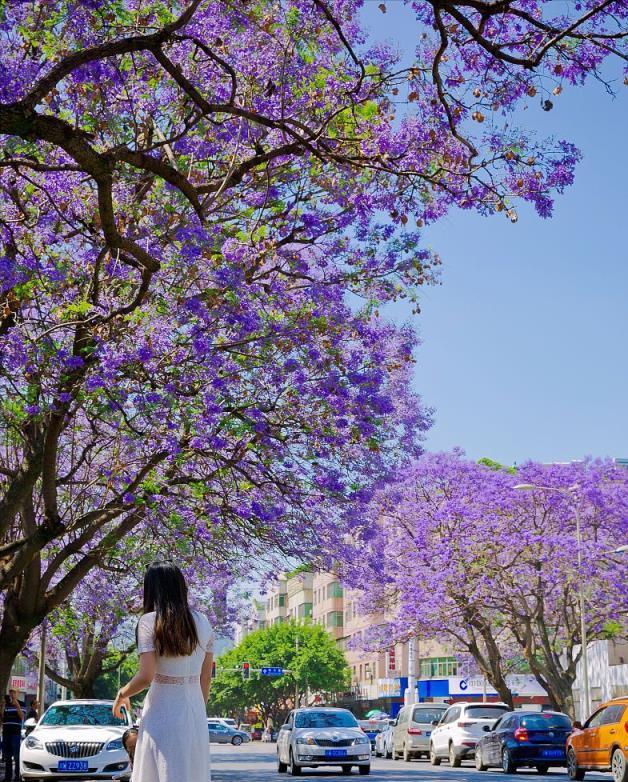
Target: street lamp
[{"x": 571, "y": 491}]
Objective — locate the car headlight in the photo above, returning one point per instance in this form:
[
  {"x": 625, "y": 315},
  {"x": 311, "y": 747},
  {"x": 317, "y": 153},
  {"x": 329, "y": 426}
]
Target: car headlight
[
  {"x": 305, "y": 740},
  {"x": 32, "y": 742},
  {"x": 115, "y": 744},
  {"x": 362, "y": 740}
]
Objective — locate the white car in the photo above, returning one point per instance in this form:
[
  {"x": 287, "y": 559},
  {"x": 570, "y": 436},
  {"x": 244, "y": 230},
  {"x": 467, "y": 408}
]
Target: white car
[
  {"x": 460, "y": 729},
  {"x": 319, "y": 737},
  {"x": 228, "y": 721},
  {"x": 76, "y": 738},
  {"x": 383, "y": 741}
]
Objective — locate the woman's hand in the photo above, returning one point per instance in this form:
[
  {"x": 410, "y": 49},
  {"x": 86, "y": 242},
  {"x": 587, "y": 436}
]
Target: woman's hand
[{"x": 121, "y": 702}]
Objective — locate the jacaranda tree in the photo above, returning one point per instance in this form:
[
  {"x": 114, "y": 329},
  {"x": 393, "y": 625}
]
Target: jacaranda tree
[
  {"x": 189, "y": 192},
  {"x": 494, "y": 571}
]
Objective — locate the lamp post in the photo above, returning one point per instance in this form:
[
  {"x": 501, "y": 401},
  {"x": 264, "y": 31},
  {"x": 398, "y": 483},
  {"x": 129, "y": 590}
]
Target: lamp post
[{"x": 571, "y": 492}]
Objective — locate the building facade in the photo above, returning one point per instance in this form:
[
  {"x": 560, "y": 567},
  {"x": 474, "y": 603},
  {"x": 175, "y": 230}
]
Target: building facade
[{"x": 608, "y": 674}]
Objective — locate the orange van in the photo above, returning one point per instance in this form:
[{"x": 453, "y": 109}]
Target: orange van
[{"x": 601, "y": 744}]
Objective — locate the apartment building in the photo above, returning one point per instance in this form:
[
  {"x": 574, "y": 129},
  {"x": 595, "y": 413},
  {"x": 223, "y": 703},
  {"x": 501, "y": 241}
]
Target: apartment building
[
  {"x": 328, "y": 604},
  {"x": 299, "y": 593},
  {"x": 277, "y": 602}
]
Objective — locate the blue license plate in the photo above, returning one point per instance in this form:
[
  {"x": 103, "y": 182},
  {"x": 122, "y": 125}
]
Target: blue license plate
[
  {"x": 552, "y": 753},
  {"x": 335, "y": 753},
  {"x": 428, "y": 732},
  {"x": 73, "y": 765}
]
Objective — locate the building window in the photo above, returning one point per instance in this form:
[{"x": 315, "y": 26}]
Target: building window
[
  {"x": 304, "y": 611},
  {"x": 438, "y": 667},
  {"x": 334, "y": 590},
  {"x": 282, "y": 601},
  {"x": 335, "y": 619}
]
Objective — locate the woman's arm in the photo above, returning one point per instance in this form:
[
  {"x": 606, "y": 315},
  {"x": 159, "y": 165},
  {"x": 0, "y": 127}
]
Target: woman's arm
[
  {"x": 138, "y": 683},
  {"x": 206, "y": 675}
]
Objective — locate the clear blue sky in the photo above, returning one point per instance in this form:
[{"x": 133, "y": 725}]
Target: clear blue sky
[{"x": 524, "y": 344}]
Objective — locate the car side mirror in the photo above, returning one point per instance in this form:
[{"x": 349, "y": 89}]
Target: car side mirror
[
  {"x": 577, "y": 725},
  {"x": 486, "y": 728},
  {"x": 286, "y": 727},
  {"x": 30, "y": 723},
  {"x": 435, "y": 722}
]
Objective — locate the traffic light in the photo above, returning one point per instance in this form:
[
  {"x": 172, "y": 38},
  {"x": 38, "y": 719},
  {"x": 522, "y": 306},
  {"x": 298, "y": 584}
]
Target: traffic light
[{"x": 246, "y": 670}]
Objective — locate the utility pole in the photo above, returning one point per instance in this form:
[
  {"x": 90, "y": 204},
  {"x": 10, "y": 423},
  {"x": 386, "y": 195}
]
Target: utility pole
[
  {"x": 410, "y": 693},
  {"x": 296, "y": 681},
  {"x": 41, "y": 685},
  {"x": 586, "y": 708}
]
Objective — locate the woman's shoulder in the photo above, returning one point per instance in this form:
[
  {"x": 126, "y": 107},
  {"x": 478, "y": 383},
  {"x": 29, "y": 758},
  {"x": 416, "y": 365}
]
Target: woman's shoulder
[{"x": 148, "y": 618}]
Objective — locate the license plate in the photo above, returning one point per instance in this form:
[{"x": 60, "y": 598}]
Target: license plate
[
  {"x": 335, "y": 753},
  {"x": 428, "y": 732},
  {"x": 73, "y": 765},
  {"x": 552, "y": 753}
]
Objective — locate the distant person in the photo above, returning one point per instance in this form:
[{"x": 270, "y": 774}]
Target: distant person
[
  {"x": 175, "y": 651},
  {"x": 12, "y": 716},
  {"x": 33, "y": 712},
  {"x": 129, "y": 740}
]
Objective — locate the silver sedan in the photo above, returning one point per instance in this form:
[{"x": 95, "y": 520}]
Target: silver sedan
[{"x": 223, "y": 734}]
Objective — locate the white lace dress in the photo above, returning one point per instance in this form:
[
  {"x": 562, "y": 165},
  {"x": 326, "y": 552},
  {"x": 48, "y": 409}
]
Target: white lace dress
[{"x": 173, "y": 742}]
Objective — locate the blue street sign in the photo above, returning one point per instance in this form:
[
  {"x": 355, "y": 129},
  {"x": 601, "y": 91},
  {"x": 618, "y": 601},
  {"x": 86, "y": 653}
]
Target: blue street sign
[{"x": 271, "y": 671}]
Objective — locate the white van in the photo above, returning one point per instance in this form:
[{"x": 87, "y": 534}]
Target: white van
[{"x": 413, "y": 728}]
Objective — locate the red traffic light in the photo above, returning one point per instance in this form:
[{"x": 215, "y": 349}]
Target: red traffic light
[{"x": 246, "y": 670}]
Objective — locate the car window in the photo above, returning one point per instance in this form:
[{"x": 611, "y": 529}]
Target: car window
[
  {"x": 325, "y": 719},
  {"x": 426, "y": 716},
  {"x": 546, "y": 722},
  {"x": 504, "y": 723},
  {"x": 453, "y": 715},
  {"x": 486, "y": 712},
  {"x": 403, "y": 716},
  {"x": 290, "y": 721},
  {"x": 612, "y": 714},
  {"x": 596, "y": 719},
  {"x": 98, "y": 714}
]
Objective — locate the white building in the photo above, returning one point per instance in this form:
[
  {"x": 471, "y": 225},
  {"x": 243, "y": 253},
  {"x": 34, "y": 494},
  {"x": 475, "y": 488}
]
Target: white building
[{"x": 608, "y": 674}]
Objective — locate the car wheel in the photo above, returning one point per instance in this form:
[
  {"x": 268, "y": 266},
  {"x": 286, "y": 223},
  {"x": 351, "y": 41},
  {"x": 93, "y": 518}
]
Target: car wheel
[
  {"x": 365, "y": 770},
  {"x": 479, "y": 766},
  {"x": 542, "y": 768},
  {"x": 236, "y": 741},
  {"x": 294, "y": 769},
  {"x": 434, "y": 759},
  {"x": 388, "y": 752},
  {"x": 378, "y": 754},
  {"x": 454, "y": 760},
  {"x": 346, "y": 769},
  {"x": 576, "y": 774},
  {"x": 407, "y": 757},
  {"x": 281, "y": 767},
  {"x": 508, "y": 766},
  {"x": 619, "y": 767}
]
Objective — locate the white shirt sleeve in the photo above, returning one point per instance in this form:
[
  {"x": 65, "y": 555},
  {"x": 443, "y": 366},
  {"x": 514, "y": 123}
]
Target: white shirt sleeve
[{"x": 146, "y": 633}]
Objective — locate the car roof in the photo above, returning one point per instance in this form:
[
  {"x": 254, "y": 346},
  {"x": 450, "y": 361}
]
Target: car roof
[
  {"x": 321, "y": 708},
  {"x": 480, "y": 703}
]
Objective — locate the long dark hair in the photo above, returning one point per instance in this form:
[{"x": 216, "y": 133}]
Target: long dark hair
[{"x": 166, "y": 593}]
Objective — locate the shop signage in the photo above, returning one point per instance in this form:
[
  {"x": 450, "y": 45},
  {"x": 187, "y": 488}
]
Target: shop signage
[
  {"x": 520, "y": 684},
  {"x": 392, "y": 663},
  {"x": 389, "y": 688}
]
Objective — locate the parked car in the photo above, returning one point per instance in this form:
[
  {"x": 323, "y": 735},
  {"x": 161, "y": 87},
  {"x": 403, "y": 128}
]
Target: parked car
[
  {"x": 460, "y": 728},
  {"x": 322, "y": 737},
  {"x": 383, "y": 741},
  {"x": 602, "y": 743},
  {"x": 74, "y": 737},
  {"x": 524, "y": 738},
  {"x": 373, "y": 728},
  {"x": 219, "y": 733},
  {"x": 413, "y": 728},
  {"x": 228, "y": 721}
]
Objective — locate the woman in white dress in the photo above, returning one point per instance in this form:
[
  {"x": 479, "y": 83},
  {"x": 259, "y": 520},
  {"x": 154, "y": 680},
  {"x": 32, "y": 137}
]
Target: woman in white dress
[{"x": 175, "y": 652}]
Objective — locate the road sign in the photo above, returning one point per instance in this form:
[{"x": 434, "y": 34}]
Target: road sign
[{"x": 272, "y": 671}]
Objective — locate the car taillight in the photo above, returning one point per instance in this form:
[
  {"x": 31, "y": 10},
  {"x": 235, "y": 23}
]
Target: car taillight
[
  {"x": 465, "y": 724},
  {"x": 521, "y": 734},
  {"x": 415, "y": 731}
]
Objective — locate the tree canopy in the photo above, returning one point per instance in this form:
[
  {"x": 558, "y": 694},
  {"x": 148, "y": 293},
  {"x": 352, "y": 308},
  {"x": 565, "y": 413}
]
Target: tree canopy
[{"x": 306, "y": 650}]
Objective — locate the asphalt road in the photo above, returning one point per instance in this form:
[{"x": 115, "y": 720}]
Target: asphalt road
[{"x": 256, "y": 762}]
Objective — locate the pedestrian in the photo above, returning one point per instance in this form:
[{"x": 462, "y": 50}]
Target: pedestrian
[
  {"x": 12, "y": 716},
  {"x": 33, "y": 712},
  {"x": 174, "y": 645}
]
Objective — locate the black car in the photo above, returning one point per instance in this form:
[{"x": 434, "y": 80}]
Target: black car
[{"x": 524, "y": 738}]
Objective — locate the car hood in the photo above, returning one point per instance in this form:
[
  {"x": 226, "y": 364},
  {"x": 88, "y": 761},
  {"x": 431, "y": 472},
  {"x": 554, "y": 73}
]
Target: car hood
[
  {"x": 102, "y": 734},
  {"x": 329, "y": 733}
]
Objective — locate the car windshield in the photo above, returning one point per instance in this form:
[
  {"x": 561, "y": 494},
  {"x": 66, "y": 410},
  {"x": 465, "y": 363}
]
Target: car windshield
[
  {"x": 325, "y": 719},
  {"x": 486, "y": 712},
  {"x": 427, "y": 716},
  {"x": 82, "y": 714},
  {"x": 546, "y": 722}
]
